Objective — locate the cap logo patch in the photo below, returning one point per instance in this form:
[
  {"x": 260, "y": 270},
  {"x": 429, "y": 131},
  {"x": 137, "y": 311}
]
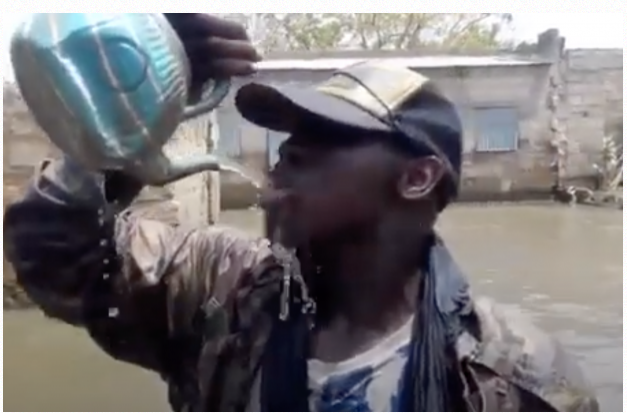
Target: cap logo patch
[{"x": 376, "y": 88}]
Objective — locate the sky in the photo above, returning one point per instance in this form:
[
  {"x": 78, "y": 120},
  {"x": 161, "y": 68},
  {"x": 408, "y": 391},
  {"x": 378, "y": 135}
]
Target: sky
[{"x": 581, "y": 30}]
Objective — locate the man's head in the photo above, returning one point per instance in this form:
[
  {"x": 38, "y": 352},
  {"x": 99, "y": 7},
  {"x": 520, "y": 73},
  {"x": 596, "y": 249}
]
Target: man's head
[{"x": 372, "y": 146}]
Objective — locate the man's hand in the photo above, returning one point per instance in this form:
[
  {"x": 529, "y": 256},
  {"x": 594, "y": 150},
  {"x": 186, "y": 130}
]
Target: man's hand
[{"x": 216, "y": 48}]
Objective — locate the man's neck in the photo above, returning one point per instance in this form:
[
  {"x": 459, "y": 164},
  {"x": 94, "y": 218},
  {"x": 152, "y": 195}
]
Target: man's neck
[
  {"x": 374, "y": 284},
  {"x": 369, "y": 293}
]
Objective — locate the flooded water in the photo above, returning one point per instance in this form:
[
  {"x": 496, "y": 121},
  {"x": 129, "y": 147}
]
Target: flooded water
[{"x": 561, "y": 266}]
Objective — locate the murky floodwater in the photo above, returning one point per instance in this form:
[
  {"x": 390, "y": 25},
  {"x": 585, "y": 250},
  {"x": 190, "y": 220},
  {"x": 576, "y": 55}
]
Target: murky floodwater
[{"x": 561, "y": 266}]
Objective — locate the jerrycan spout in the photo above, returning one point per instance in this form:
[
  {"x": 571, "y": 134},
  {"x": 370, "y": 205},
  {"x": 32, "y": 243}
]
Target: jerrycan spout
[
  {"x": 161, "y": 171},
  {"x": 191, "y": 165}
]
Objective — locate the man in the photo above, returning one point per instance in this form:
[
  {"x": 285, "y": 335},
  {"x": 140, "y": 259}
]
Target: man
[{"x": 355, "y": 306}]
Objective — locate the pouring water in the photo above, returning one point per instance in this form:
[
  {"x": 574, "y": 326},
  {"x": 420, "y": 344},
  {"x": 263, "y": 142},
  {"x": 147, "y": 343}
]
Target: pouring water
[
  {"x": 228, "y": 165},
  {"x": 287, "y": 258}
]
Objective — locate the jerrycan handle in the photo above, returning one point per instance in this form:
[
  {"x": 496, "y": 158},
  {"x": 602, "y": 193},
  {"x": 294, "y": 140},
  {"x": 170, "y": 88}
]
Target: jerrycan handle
[{"x": 213, "y": 93}]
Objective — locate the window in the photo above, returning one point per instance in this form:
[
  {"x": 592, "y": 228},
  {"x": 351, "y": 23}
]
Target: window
[{"x": 496, "y": 129}]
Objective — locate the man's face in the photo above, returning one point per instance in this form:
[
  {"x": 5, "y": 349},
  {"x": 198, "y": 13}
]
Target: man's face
[
  {"x": 332, "y": 182},
  {"x": 324, "y": 184}
]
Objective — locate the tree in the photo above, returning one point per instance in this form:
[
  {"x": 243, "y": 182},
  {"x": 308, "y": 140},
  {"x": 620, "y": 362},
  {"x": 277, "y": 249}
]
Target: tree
[{"x": 376, "y": 31}]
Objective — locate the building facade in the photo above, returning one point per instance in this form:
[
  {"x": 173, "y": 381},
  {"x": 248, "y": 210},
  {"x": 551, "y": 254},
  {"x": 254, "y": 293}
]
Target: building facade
[{"x": 530, "y": 119}]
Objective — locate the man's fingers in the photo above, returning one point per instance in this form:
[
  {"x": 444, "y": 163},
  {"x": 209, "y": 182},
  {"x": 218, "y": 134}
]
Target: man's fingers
[
  {"x": 216, "y": 57},
  {"x": 205, "y": 25},
  {"x": 221, "y": 68},
  {"x": 219, "y": 48},
  {"x": 216, "y": 47},
  {"x": 225, "y": 28}
]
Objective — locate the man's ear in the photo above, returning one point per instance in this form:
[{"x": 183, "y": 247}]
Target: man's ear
[{"x": 420, "y": 177}]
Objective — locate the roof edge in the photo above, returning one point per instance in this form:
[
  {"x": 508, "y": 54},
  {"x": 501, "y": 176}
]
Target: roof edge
[{"x": 418, "y": 62}]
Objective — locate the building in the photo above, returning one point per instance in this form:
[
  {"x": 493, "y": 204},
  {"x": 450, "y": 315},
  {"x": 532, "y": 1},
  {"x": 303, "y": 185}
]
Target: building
[
  {"x": 516, "y": 109},
  {"x": 532, "y": 118}
]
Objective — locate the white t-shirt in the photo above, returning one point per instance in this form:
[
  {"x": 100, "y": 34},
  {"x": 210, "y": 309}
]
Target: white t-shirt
[{"x": 368, "y": 382}]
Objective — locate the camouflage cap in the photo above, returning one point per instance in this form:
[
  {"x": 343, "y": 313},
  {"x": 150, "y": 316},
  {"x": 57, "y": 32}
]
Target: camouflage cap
[{"x": 372, "y": 96}]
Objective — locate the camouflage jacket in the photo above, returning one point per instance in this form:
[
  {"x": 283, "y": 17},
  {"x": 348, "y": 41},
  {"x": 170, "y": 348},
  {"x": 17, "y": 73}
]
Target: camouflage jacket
[{"x": 191, "y": 303}]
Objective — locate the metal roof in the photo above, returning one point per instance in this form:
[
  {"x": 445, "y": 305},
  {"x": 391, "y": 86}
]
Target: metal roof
[{"x": 413, "y": 62}]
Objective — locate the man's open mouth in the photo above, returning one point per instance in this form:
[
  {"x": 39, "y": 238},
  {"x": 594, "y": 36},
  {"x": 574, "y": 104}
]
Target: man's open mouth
[{"x": 283, "y": 224}]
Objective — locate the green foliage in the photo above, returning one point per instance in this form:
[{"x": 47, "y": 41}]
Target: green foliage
[
  {"x": 302, "y": 31},
  {"x": 610, "y": 169},
  {"x": 377, "y": 31}
]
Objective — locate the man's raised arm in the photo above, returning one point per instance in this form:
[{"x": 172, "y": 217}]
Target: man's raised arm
[{"x": 133, "y": 283}]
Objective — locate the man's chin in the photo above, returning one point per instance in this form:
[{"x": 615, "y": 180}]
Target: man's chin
[
  {"x": 289, "y": 237},
  {"x": 281, "y": 228}
]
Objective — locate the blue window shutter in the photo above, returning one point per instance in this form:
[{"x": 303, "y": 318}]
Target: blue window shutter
[{"x": 497, "y": 129}]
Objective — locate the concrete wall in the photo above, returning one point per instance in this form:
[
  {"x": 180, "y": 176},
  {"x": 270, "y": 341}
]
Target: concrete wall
[
  {"x": 524, "y": 88},
  {"x": 592, "y": 105}
]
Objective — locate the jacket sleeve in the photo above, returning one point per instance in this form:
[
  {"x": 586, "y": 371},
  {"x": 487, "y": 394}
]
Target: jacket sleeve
[
  {"x": 546, "y": 376},
  {"x": 132, "y": 282}
]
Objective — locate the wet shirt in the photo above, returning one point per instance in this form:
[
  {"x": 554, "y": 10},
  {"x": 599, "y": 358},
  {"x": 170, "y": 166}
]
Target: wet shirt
[{"x": 368, "y": 382}]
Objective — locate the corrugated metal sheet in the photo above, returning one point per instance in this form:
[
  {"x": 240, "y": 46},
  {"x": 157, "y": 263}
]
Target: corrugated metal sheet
[
  {"x": 496, "y": 129},
  {"x": 413, "y": 62}
]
